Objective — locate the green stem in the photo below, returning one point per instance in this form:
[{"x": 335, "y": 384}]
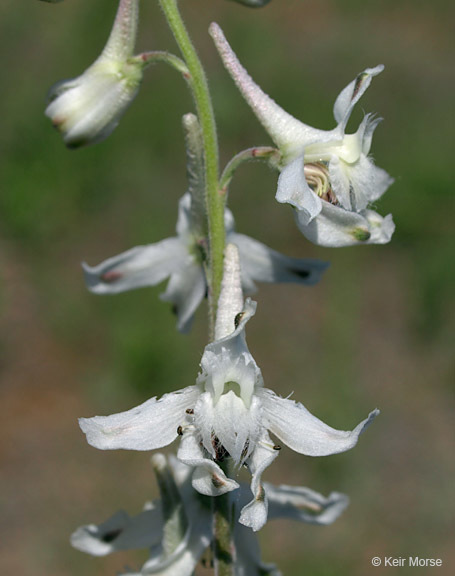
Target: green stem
[
  {"x": 223, "y": 547},
  {"x": 147, "y": 58},
  {"x": 264, "y": 153},
  {"x": 214, "y": 201},
  {"x": 222, "y": 529}
]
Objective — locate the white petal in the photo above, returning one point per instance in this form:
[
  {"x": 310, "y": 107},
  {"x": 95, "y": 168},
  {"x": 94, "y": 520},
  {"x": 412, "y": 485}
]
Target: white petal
[
  {"x": 138, "y": 267},
  {"x": 294, "y": 425},
  {"x": 184, "y": 227},
  {"x": 287, "y": 132},
  {"x": 339, "y": 181},
  {"x": 235, "y": 426},
  {"x": 186, "y": 290},
  {"x": 151, "y": 425},
  {"x": 335, "y": 227},
  {"x": 381, "y": 229},
  {"x": 254, "y": 514},
  {"x": 229, "y": 360},
  {"x": 304, "y": 505},
  {"x": 350, "y": 95},
  {"x": 208, "y": 478},
  {"x": 120, "y": 532},
  {"x": 262, "y": 264},
  {"x": 293, "y": 189},
  {"x": 357, "y": 185},
  {"x": 371, "y": 123},
  {"x": 88, "y": 108}
]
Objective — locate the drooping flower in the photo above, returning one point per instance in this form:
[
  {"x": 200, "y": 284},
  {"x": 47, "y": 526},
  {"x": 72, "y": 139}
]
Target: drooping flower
[
  {"x": 88, "y": 108},
  {"x": 181, "y": 257},
  {"x": 178, "y": 527},
  {"x": 227, "y": 414},
  {"x": 327, "y": 175}
]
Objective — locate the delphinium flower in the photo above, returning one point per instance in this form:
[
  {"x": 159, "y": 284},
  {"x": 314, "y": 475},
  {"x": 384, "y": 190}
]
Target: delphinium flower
[
  {"x": 227, "y": 414},
  {"x": 88, "y": 108},
  {"x": 182, "y": 257},
  {"x": 326, "y": 175},
  {"x": 178, "y": 528}
]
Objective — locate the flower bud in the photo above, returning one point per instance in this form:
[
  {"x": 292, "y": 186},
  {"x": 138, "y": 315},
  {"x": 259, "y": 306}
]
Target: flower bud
[{"x": 88, "y": 108}]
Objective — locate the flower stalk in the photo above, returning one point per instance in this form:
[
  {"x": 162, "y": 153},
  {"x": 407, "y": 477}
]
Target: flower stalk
[
  {"x": 204, "y": 108},
  {"x": 223, "y": 559},
  {"x": 263, "y": 153}
]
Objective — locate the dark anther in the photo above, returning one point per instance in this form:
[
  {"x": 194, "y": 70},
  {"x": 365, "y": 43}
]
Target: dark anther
[
  {"x": 189, "y": 411},
  {"x": 220, "y": 451},
  {"x": 277, "y": 447},
  {"x": 180, "y": 431},
  {"x": 238, "y": 319}
]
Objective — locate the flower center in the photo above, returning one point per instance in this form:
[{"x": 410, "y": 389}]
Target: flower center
[
  {"x": 317, "y": 177},
  {"x": 234, "y": 387}
]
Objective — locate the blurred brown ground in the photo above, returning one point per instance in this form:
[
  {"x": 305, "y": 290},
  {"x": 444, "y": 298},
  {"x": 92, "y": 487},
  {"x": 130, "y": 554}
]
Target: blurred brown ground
[{"x": 378, "y": 331}]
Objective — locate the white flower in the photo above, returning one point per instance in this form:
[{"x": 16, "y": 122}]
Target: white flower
[
  {"x": 88, "y": 108},
  {"x": 228, "y": 414},
  {"x": 327, "y": 175},
  {"x": 180, "y": 259},
  {"x": 178, "y": 527}
]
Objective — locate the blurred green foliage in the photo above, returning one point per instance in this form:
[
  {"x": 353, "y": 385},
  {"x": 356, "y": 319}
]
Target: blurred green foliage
[{"x": 387, "y": 307}]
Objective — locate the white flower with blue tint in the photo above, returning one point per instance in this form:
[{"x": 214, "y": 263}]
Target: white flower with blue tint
[
  {"x": 228, "y": 414},
  {"x": 180, "y": 259},
  {"x": 327, "y": 175}
]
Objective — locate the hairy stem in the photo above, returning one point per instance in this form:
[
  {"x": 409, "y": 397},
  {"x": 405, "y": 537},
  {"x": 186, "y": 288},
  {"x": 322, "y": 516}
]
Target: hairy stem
[
  {"x": 223, "y": 546},
  {"x": 214, "y": 201},
  {"x": 222, "y": 530},
  {"x": 264, "y": 153}
]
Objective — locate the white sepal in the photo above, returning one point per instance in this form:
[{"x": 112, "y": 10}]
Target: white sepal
[
  {"x": 151, "y": 425},
  {"x": 337, "y": 227},
  {"x": 304, "y": 505},
  {"x": 120, "y": 532},
  {"x": 294, "y": 425}
]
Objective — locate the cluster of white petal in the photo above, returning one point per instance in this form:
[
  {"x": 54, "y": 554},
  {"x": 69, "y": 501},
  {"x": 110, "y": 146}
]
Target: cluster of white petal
[
  {"x": 327, "y": 175},
  {"x": 180, "y": 259},
  {"x": 177, "y": 528},
  {"x": 227, "y": 414}
]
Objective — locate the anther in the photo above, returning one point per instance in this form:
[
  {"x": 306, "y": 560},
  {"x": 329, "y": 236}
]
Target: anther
[
  {"x": 277, "y": 447},
  {"x": 180, "y": 431},
  {"x": 189, "y": 411}
]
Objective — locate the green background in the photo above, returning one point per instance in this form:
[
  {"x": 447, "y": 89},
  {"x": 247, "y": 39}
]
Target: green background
[{"x": 377, "y": 332}]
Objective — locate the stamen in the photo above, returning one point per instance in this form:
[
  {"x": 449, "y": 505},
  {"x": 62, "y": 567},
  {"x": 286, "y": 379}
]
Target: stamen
[
  {"x": 317, "y": 177},
  {"x": 220, "y": 451},
  {"x": 189, "y": 411}
]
